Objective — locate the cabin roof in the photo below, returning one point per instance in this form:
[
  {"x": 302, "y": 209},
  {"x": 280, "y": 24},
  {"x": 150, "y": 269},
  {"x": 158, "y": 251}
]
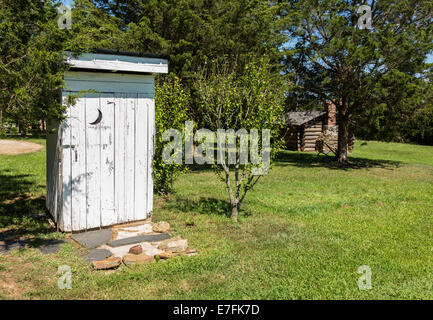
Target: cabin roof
[{"x": 297, "y": 118}]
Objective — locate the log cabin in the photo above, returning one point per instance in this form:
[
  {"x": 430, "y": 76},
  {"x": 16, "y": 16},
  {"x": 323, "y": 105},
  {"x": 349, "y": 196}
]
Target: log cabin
[{"x": 308, "y": 130}]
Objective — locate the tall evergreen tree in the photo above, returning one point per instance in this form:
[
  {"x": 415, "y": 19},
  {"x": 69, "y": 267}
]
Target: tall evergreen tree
[
  {"x": 126, "y": 10},
  {"x": 31, "y": 64},
  {"x": 400, "y": 112},
  {"x": 333, "y": 59},
  {"x": 194, "y": 32},
  {"x": 94, "y": 27}
]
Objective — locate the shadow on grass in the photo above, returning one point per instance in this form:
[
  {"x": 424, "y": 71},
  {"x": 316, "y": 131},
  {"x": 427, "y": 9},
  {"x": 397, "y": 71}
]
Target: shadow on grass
[
  {"x": 197, "y": 168},
  {"x": 23, "y": 217},
  {"x": 206, "y": 206},
  {"x": 202, "y": 206},
  {"x": 310, "y": 160},
  {"x": 35, "y": 135}
]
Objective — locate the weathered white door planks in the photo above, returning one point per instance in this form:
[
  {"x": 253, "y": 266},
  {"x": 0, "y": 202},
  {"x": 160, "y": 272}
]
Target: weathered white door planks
[
  {"x": 141, "y": 145},
  {"x": 108, "y": 210},
  {"x": 100, "y": 173},
  {"x": 93, "y": 168},
  {"x": 78, "y": 164},
  {"x": 119, "y": 156},
  {"x": 130, "y": 156},
  {"x": 107, "y": 166}
]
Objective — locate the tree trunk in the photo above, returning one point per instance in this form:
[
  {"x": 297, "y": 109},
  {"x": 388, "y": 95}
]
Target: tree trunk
[
  {"x": 235, "y": 212},
  {"x": 22, "y": 129},
  {"x": 343, "y": 135},
  {"x": 343, "y": 138},
  {"x": 234, "y": 201}
]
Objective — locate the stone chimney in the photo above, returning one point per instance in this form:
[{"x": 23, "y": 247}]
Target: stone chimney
[
  {"x": 330, "y": 127},
  {"x": 331, "y": 114}
]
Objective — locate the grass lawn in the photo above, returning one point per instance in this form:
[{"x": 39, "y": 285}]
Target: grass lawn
[{"x": 306, "y": 228}]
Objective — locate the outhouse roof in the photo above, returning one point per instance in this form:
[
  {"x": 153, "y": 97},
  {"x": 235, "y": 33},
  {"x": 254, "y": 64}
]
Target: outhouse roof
[
  {"x": 103, "y": 60},
  {"x": 298, "y": 118},
  {"x": 132, "y": 54}
]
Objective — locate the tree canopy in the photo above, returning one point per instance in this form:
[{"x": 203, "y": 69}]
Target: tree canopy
[
  {"x": 196, "y": 32},
  {"x": 377, "y": 78},
  {"x": 31, "y": 65},
  {"x": 245, "y": 108},
  {"x": 334, "y": 60}
]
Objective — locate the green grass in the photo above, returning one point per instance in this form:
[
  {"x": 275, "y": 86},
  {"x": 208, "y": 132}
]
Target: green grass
[
  {"x": 22, "y": 191},
  {"x": 306, "y": 228}
]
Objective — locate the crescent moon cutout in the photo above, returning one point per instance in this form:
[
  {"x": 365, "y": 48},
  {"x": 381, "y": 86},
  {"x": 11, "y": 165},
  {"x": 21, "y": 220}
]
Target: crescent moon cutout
[{"x": 98, "y": 119}]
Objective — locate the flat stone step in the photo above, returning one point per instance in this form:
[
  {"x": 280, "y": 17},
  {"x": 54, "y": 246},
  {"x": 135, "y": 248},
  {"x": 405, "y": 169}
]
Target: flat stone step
[
  {"x": 97, "y": 255},
  {"x": 138, "y": 239},
  {"x": 93, "y": 239}
]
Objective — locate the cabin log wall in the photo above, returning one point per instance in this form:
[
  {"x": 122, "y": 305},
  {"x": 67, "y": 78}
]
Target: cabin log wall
[{"x": 311, "y": 132}]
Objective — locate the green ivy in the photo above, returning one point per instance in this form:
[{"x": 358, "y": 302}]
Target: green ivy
[{"x": 171, "y": 107}]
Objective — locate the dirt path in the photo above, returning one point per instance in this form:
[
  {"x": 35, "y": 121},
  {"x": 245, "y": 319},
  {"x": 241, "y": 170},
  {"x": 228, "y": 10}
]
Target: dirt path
[
  {"x": 14, "y": 147},
  {"x": 9, "y": 288}
]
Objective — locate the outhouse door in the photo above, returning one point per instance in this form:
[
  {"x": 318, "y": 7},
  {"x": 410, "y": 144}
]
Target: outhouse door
[{"x": 107, "y": 152}]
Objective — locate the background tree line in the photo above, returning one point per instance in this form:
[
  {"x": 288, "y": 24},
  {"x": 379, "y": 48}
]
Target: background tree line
[{"x": 378, "y": 78}]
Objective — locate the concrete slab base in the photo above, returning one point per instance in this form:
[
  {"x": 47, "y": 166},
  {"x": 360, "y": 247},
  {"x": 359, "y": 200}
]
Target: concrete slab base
[
  {"x": 97, "y": 255},
  {"x": 93, "y": 239}
]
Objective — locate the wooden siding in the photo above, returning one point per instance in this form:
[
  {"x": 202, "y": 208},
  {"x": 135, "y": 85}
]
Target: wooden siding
[
  {"x": 105, "y": 169},
  {"x": 310, "y": 133},
  {"x": 109, "y": 181},
  {"x": 291, "y": 139},
  {"x": 52, "y": 168},
  {"x": 304, "y": 137},
  {"x": 107, "y": 82}
]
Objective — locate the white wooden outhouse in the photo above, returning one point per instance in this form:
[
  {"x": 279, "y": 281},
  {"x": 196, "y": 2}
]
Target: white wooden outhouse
[{"x": 99, "y": 160}]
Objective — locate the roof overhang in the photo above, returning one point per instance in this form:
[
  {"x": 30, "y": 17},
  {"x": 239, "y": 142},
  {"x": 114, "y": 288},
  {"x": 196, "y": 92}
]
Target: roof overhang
[
  {"x": 299, "y": 118},
  {"x": 116, "y": 61}
]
